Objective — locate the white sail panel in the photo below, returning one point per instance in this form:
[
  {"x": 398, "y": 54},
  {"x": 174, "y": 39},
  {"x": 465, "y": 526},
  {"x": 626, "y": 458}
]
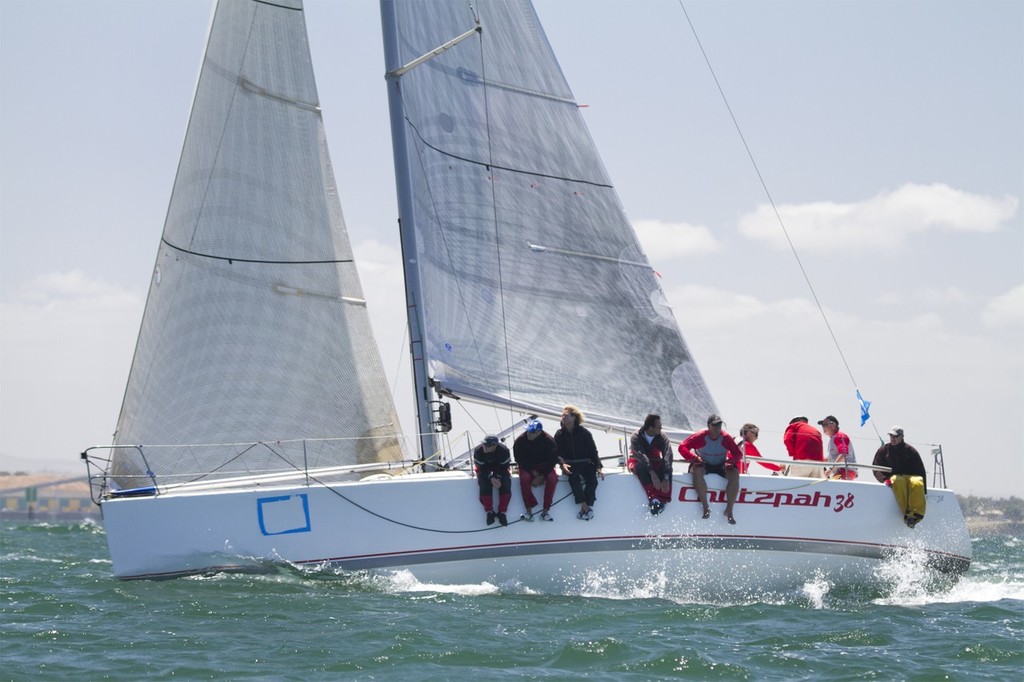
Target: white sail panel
[
  {"x": 255, "y": 328},
  {"x": 534, "y": 287}
]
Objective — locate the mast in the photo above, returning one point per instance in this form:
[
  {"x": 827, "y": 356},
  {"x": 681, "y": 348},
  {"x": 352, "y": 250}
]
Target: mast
[{"x": 403, "y": 182}]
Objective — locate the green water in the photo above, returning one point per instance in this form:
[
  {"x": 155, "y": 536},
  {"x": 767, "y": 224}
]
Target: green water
[{"x": 63, "y": 615}]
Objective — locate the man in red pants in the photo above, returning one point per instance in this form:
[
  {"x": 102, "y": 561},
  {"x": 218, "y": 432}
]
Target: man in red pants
[
  {"x": 492, "y": 460},
  {"x": 536, "y": 454},
  {"x": 650, "y": 460}
]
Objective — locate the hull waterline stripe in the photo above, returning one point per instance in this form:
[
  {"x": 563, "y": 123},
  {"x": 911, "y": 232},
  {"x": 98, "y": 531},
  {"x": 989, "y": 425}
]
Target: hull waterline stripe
[
  {"x": 628, "y": 543},
  {"x": 944, "y": 561}
]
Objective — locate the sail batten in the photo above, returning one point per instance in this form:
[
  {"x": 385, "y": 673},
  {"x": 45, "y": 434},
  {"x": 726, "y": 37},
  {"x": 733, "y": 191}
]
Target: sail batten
[{"x": 533, "y": 286}]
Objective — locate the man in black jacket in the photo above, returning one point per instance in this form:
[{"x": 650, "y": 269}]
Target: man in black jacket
[
  {"x": 577, "y": 455},
  {"x": 650, "y": 460},
  {"x": 492, "y": 460},
  {"x": 536, "y": 454},
  {"x": 907, "y": 478}
]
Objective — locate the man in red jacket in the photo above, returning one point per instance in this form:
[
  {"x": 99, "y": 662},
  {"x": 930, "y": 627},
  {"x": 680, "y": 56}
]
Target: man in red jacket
[
  {"x": 803, "y": 443},
  {"x": 713, "y": 451}
]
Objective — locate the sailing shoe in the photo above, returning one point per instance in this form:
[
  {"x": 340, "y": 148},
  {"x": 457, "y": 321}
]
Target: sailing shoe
[
  {"x": 585, "y": 515},
  {"x": 544, "y": 516},
  {"x": 528, "y": 516},
  {"x": 490, "y": 518},
  {"x": 502, "y": 519},
  {"x": 657, "y": 506}
]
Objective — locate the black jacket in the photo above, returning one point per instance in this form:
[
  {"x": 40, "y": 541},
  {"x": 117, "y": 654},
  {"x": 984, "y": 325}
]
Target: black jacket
[
  {"x": 539, "y": 454},
  {"x": 577, "y": 447},
  {"x": 903, "y": 459}
]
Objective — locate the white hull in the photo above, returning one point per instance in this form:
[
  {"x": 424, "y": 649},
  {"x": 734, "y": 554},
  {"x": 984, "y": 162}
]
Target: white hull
[{"x": 788, "y": 531}]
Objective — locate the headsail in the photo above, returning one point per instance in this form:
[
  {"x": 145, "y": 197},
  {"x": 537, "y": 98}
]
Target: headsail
[
  {"x": 534, "y": 288},
  {"x": 255, "y": 327}
]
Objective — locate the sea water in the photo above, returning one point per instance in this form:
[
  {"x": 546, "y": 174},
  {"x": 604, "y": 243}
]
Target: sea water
[{"x": 64, "y": 616}]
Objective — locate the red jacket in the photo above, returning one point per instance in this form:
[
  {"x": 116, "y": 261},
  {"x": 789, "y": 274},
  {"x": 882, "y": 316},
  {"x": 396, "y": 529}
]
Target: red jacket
[
  {"x": 803, "y": 441},
  {"x": 750, "y": 450},
  {"x": 700, "y": 444}
]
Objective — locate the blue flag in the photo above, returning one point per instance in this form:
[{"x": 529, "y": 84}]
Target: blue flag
[{"x": 865, "y": 405}]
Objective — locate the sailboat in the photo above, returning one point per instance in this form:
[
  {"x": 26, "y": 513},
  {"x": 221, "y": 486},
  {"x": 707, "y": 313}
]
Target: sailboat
[{"x": 256, "y": 427}]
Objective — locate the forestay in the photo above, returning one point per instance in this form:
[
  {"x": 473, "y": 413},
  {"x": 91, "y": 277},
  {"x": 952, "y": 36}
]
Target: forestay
[
  {"x": 255, "y": 327},
  {"x": 535, "y": 291}
]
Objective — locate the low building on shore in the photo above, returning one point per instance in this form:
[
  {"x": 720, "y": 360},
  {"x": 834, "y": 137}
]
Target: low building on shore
[{"x": 46, "y": 497}]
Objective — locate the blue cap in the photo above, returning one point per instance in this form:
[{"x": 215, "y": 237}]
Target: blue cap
[
  {"x": 491, "y": 440},
  {"x": 534, "y": 425}
]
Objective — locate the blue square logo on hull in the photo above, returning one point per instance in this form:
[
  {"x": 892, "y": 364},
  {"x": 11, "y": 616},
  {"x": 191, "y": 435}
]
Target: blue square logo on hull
[{"x": 283, "y": 514}]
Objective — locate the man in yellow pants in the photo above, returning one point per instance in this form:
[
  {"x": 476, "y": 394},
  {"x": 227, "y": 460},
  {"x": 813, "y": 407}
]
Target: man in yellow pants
[{"x": 908, "y": 477}]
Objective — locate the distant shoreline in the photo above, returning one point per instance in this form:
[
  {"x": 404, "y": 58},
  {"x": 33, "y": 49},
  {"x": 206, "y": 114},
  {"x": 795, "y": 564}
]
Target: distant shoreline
[{"x": 982, "y": 527}]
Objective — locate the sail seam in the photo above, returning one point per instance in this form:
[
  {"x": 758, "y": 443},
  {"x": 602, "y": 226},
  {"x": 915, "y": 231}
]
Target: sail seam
[
  {"x": 274, "y": 4},
  {"x": 247, "y": 84},
  {"x": 504, "y": 168},
  {"x": 231, "y": 259}
]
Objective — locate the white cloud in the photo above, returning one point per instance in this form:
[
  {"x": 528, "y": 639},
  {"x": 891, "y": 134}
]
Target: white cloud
[
  {"x": 884, "y": 220},
  {"x": 662, "y": 240},
  {"x": 59, "y": 288},
  {"x": 929, "y": 296},
  {"x": 67, "y": 343},
  {"x": 373, "y": 256},
  {"x": 1006, "y": 310}
]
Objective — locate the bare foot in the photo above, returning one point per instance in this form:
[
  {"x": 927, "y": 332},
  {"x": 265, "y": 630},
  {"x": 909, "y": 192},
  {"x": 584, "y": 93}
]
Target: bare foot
[{"x": 707, "y": 513}]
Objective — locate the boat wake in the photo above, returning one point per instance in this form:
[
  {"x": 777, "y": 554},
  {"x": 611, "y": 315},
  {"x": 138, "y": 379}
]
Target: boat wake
[{"x": 909, "y": 581}]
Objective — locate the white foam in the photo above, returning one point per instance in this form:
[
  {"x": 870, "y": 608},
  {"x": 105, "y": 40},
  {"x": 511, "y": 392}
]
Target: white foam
[
  {"x": 404, "y": 581},
  {"x": 816, "y": 590}
]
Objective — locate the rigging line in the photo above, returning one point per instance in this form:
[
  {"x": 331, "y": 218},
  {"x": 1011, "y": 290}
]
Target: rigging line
[
  {"x": 409, "y": 525},
  {"x": 401, "y": 354},
  {"x": 497, "y": 234},
  {"x": 771, "y": 200},
  {"x": 255, "y": 260},
  {"x": 519, "y": 171},
  {"x": 204, "y": 474},
  {"x": 471, "y": 416}
]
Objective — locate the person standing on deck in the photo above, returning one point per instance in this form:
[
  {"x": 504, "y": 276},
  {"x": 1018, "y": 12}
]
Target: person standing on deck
[
  {"x": 492, "y": 460},
  {"x": 803, "y": 443},
  {"x": 840, "y": 450},
  {"x": 713, "y": 451},
  {"x": 577, "y": 455},
  {"x": 650, "y": 460},
  {"x": 536, "y": 454},
  {"x": 907, "y": 478}
]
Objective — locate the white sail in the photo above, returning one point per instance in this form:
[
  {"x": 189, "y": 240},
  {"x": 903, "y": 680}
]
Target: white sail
[
  {"x": 534, "y": 290},
  {"x": 255, "y": 327}
]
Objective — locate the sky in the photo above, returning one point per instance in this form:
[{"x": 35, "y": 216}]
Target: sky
[{"x": 889, "y": 134}]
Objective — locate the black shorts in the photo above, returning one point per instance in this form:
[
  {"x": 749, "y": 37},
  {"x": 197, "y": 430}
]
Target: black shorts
[{"x": 711, "y": 468}]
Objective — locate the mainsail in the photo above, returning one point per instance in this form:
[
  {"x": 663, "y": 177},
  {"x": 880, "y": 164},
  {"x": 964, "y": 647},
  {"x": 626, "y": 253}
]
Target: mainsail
[
  {"x": 255, "y": 327},
  {"x": 533, "y": 288}
]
